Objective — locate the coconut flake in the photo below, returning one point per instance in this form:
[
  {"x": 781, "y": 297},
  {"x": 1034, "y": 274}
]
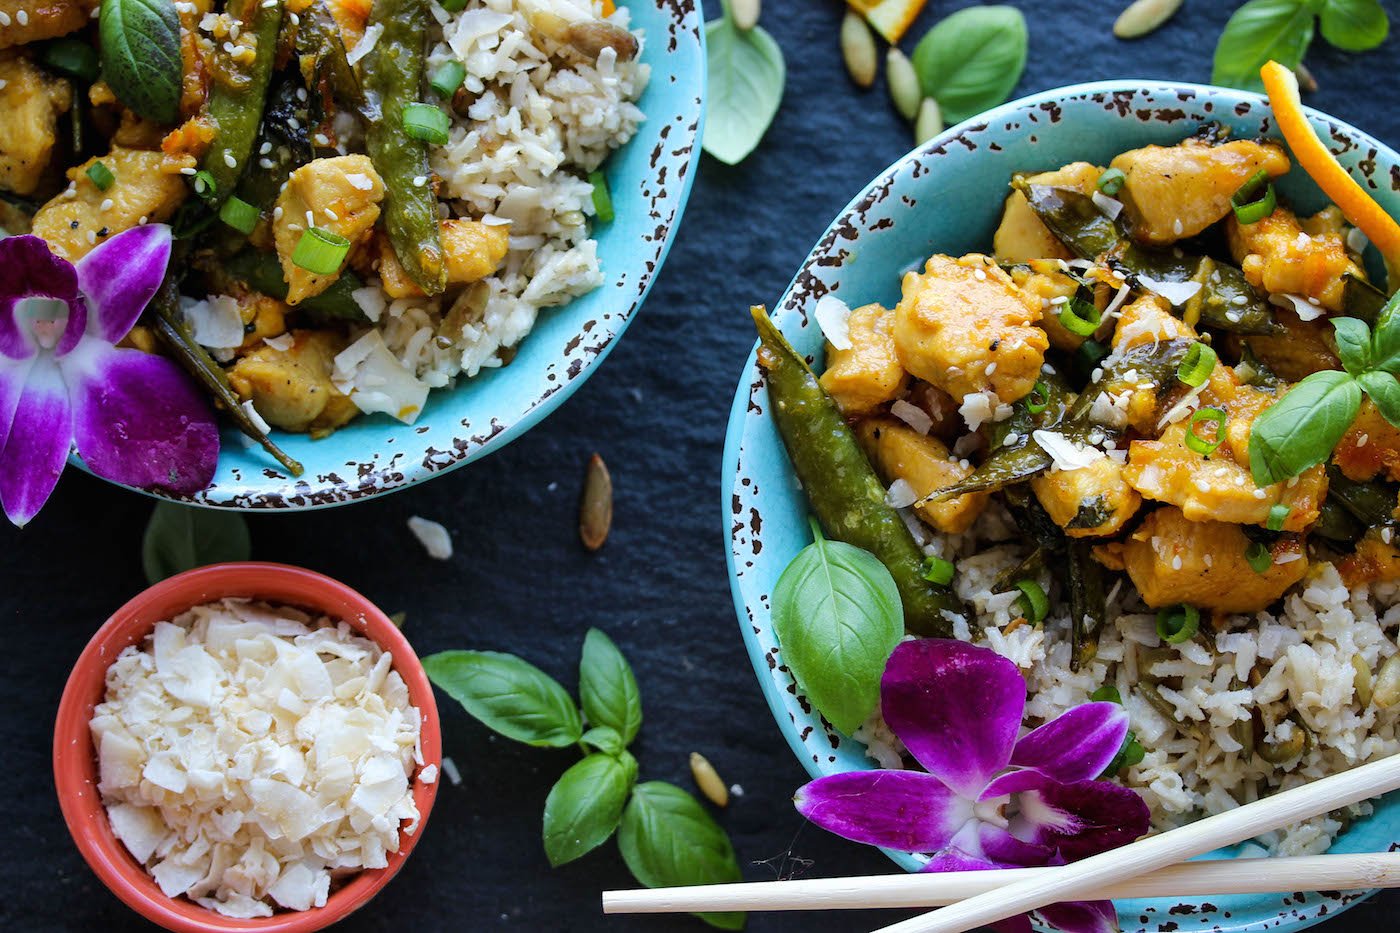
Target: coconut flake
[
  {"x": 370, "y": 300},
  {"x": 257, "y": 419},
  {"x": 433, "y": 536},
  {"x": 1109, "y": 207},
  {"x": 900, "y": 495},
  {"x": 1301, "y": 306},
  {"x": 977, "y": 408},
  {"x": 1066, "y": 454},
  {"x": 366, "y": 43},
  {"x": 215, "y": 322},
  {"x": 281, "y": 343},
  {"x": 834, "y": 318},
  {"x": 1177, "y": 293},
  {"x": 376, "y": 381},
  {"x": 912, "y": 415}
]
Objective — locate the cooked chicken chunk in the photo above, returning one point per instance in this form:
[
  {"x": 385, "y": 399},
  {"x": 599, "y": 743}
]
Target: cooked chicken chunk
[
  {"x": 472, "y": 250},
  {"x": 1021, "y": 236},
  {"x": 965, "y": 327},
  {"x": 31, "y": 20},
  {"x": 340, "y": 195},
  {"x": 1173, "y": 560},
  {"x": 1092, "y": 501},
  {"x": 292, "y": 388},
  {"x": 140, "y": 193},
  {"x": 869, "y": 374},
  {"x": 900, "y": 452},
  {"x": 1370, "y": 448},
  {"x": 1053, "y": 288},
  {"x": 1283, "y": 255},
  {"x": 1172, "y": 192},
  {"x": 1148, "y": 319},
  {"x": 30, "y": 103},
  {"x": 1376, "y": 560}
]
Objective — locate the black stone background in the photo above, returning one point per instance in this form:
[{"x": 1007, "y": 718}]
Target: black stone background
[{"x": 520, "y": 581}]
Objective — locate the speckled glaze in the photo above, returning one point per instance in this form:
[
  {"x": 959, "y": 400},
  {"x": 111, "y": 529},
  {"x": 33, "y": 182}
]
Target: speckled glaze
[
  {"x": 945, "y": 197},
  {"x": 650, "y": 179}
]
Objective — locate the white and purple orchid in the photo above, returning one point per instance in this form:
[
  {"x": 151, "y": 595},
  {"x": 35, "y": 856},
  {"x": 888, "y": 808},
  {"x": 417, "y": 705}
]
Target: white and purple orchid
[
  {"x": 988, "y": 798},
  {"x": 133, "y": 417}
]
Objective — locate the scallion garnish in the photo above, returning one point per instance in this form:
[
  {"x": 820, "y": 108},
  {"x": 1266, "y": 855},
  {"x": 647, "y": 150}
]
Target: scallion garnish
[
  {"x": 204, "y": 184},
  {"x": 453, "y": 6},
  {"x": 602, "y": 201},
  {"x": 1035, "y": 605},
  {"x": 1039, "y": 399},
  {"x": 1250, "y": 205},
  {"x": 1107, "y": 694},
  {"x": 1197, "y": 365},
  {"x": 1259, "y": 557},
  {"x": 1079, "y": 317},
  {"x": 937, "y": 570},
  {"x": 1178, "y": 623},
  {"x": 320, "y": 251},
  {"x": 1111, "y": 181},
  {"x": 1130, "y": 753},
  {"x": 101, "y": 175},
  {"x": 1277, "y": 516},
  {"x": 72, "y": 57},
  {"x": 425, "y": 122},
  {"x": 240, "y": 215},
  {"x": 1200, "y": 444},
  {"x": 448, "y": 78}
]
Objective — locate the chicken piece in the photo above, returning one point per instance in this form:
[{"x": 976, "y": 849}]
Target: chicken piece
[
  {"x": 964, "y": 326},
  {"x": 1283, "y": 255},
  {"x": 1302, "y": 349},
  {"x": 30, "y": 103},
  {"x": 1053, "y": 288},
  {"x": 263, "y": 317},
  {"x": 292, "y": 388},
  {"x": 867, "y": 375},
  {"x": 900, "y": 452},
  {"x": 140, "y": 193},
  {"x": 1370, "y": 448},
  {"x": 1148, "y": 319},
  {"x": 1171, "y": 560},
  {"x": 1021, "y": 236},
  {"x": 23, "y": 21},
  {"x": 1093, "y": 501},
  {"x": 341, "y": 195},
  {"x": 1171, "y": 192},
  {"x": 1376, "y": 559},
  {"x": 471, "y": 249}
]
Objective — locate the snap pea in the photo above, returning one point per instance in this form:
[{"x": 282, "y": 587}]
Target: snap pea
[
  {"x": 844, "y": 493},
  {"x": 325, "y": 66},
  {"x": 1088, "y": 605},
  {"x": 236, "y": 98},
  {"x": 393, "y": 78},
  {"x": 1372, "y": 503},
  {"x": 1361, "y": 299},
  {"x": 1337, "y": 524},
  {"x": 1072, "y": 217},
  {"x": 285, "y": 134},
  {"x": 261, "y": 272}
]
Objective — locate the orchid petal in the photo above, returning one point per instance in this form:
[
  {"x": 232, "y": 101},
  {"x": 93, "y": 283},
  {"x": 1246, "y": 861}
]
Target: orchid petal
[
  {"x": 1075, "y": 746},
  {"x": 1021, "y": 923},
  {"x": 956, "y": 707},
  {"x": 38, "y": 441},
  {"x": 957, "y": 860},
  {"x": 1081, "y": 916},
  {"x": 32, "y": 271},
  {"x": 1082, "y": 818},
  {"x": 1000, "y": 846},
  {"x": 13, "y": 374},
  {"x": 121, "y": 276},
  {"x": 138, "y": 420},
  {"x": 1014, "y": 782},
  {"x": 904, "y": 810}
]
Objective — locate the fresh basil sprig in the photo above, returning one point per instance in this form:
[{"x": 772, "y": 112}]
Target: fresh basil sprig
[
  {"x": 746, "y": 78},
  {"x": 665, "y": 835},
  {"x": 182, "y": 537},
  {"x": 971, "y": 61},
  {"x": 140, "y": 54},
  {"x": 1282, "y": 30},
  {"x": 1302, "y": 429}
]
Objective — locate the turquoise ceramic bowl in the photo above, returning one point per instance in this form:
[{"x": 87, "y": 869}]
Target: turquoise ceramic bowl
[
  {"x": 650, "y": 179},
  {"x": 945, "y": 197}
]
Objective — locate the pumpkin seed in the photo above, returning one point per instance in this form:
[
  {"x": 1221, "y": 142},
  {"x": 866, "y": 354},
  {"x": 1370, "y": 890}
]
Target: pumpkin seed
[
  {"x": 1299, "y": 743},
  {"x": 929, "y": 123},
  {"x": 1385, "y": 693},
  {"x": 744, "y": 13},
  {"x": 1144, "y": 16},
  {"x": 858, "y": 49},
  {"x": 708, "y": 780},
  {"x": 596, "y": 507},
  {"x": 1361, "y": 680},
  {"x": 904, "y": 83}
]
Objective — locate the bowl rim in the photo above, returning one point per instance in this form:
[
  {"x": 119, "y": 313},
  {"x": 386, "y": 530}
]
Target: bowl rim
[
  {"x": 74, "y": 757},
  {"x": 730, "y": 475}
]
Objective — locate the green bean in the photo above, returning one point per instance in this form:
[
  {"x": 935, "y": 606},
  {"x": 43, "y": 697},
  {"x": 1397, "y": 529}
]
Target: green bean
[
  {"x": 236, "y": 98},
  {"x": 262, "y": 272},
  {"x": 393, "y": 78},
  {"x": 841, "y": 486}
]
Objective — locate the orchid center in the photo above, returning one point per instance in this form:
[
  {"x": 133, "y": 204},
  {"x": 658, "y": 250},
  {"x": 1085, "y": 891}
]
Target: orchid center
[
  {"x": 45, "y": 318},
  {"x": 993, "y": 811}
]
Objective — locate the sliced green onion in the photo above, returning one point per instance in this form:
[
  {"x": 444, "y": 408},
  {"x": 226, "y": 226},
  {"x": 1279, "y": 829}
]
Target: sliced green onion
[
  {"x": 240, "y": 215},
  {"x": 204, "y": 184},
  {"x": 1107, "y": 694},
  {"x": 1277, "y": 516},
  {"x": 1034, "y": 603},
  {"x": 425, "y": 122},
  {"x": 72, "y": 57},
  {"x": 1039, "y": 399},
  {"x": 1259, "y": 557},
  {"x": 320, "y": 252},
  {"x": 1111, "y": 181},
  {"x": 1197, "y": 365},
  {"x": 1178, "y": 624},
  {"x": 937, "y": 570},
  {"x": 1199, "y": 444},
  {"x": 602, "y": 201},
  {"x": 453, "y": 6},
  {"x": 1251, "y": 206},
  {"x": 101, "y": 175},
  {"x": 1130, "y": 753},
  {"x": 448, "y": 78},
  {"x": 1080, "y": 317}
]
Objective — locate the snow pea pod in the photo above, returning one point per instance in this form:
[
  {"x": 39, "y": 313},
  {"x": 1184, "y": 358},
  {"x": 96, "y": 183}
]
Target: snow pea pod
[
  {"x": 1371, "y": 503},
  {"x": 1074, "y": 218},
  {"x": 236, "y": 98},
  {"x": 841, "y": 486},
  {"x": 1361, "y": 299},
  {"x": 262, "y": 273}
]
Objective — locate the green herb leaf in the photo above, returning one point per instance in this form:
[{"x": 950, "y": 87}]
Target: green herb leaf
[
  {"x": 1261, "y": 30},
  {"x": 1301, "y": 429},
  {"x": 746, "y": 74},
  {"x": 1384, "y": 390},
  {"x": 668, "y": 839},
  {"x": 140, "y": 48},
  {"x": 508, "y": 695},
  {"x": 585, "y": 806},
  {"x": 972, "y": 60},
  {"x": 838, "y": 616},
  {"x": 182, "y": 537},
  {"x": 605, "y": 740},
  {"x": 1385, "y": 345},
  {"x": 1355, "y": 25},
  {"x": 1353, "y": 344},
  {"x": 608, "y": 688}
]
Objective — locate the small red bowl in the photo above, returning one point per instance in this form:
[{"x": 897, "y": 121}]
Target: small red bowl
[{"x": 75, "y": 760}]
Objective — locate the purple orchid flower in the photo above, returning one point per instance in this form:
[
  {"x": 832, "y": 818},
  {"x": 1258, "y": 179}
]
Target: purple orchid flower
[
  {"x": 987, "y": 798},
  {"x": 133, "y": 417}
]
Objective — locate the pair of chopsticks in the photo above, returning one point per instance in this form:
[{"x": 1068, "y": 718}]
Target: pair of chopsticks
[{"x": 1152, "y": 866}]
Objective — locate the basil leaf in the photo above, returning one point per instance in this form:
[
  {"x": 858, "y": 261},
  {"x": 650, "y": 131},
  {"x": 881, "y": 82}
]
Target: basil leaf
[
  {"x": 585, "y": 806},
  {"x": 182, "y": 537},
  {"x": 1261, "y": 30},
  {"x": 1354, "y": 25},
  {"x": 1384, "y": 390},
  {"x": 1301, "y": 429},
  {"x": 746, "y": 74},
  {"x": 668, "y": 839},
  {"x": 139, "y": 42},
  {"x": 1385, "y": 345},
  {"x": 608, "y": 688},
  {"x": 605, "y": 740},
  {"x": 509, "y": 696},
  {"x": 971, "y": 61},
  {"x": 838, "y": 616},
  {"x": 1353, "y": 344}
]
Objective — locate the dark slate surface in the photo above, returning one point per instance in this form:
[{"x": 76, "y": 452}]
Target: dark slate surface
[{"x": 520, "y": 581}]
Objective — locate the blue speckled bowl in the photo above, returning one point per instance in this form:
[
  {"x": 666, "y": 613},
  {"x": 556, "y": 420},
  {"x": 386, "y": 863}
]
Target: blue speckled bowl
[{"x": 946, "y": 197}]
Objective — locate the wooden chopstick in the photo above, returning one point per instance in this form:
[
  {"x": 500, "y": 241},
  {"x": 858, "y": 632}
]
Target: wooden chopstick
[
  {"x": 1085, "y": 879},
  {"x": 1189, "y": 879}
]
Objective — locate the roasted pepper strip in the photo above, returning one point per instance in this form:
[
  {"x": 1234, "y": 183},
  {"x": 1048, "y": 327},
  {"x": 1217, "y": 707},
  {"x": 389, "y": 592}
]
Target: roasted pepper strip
[
  {"x": 393, "y": 78},
  {"x": 842, "y": 488},
  {"x": 236, "y": 98}
]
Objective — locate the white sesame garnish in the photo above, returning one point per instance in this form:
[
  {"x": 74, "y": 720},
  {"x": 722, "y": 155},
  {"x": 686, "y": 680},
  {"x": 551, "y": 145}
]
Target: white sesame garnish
[
  {"x": 1176, "y": 559},
  {"x": 266, "y": 147},
  {"x": 330, "y": 213},
  {"x": 106, "y": 204},
  {"x": 4, "y": 18},
  {"x": 296, "y": 20},
  {"x": 991, "y": 368},
  {"x": 187, "y": 170},
  {"x": 277, "y": 213},
  {"x": 1177, "y": 228},
  {"x": 1259, "y": 493},
  {"x": 23, "y": 17},
  {"x": 143, "y": 221},
  {"x": 322, "y": 139},
  {"x": 3, "y": 84},
  {"x": 979, "y": 275},
  {"x": 229, "y": 160},
  {"x": 266, "y": 163},
  {"x": 1361, "y": 441},
  {"x": 420, "y": 180},
  {"x": 1386, "y": 534},
  {"x": 294, "y": 123},
  {"x": 310, "y": 219},
  {"x": 91, "y": 237}
]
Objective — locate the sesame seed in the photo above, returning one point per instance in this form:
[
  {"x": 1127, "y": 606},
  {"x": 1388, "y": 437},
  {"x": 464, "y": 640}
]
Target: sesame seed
[
  {"x": 1386, "y": 535},
  {"x": 310, "y": 219},
  {"x": 1011, "y": 438},
  {"x": 301, "y": 94},
  {"x": 229, "y": 160},
  {"x": 1207, "y": 560},
  {"x": 331, "y": 214},
  {"x": 1239, "y": 300},
  {"x": 1361, "y": 441},
  {"x": 321, "y": 139},
  {"x": 265, "y": 148},
  {"x": 106, "y": 205},
  {"x": 296, "y": 20},
  {"x": 1176, "y": 560},
  {"x": 269, "y": 4},
  {"x": 1292, "y": 481},
  {"x": 233, "y": 31},
  {"x": 187, "y": 170},
  {"x": 4, "y": 18},
  {"x": 229, "y": 48},
  {"x": 420, "y": 180},
  {"x": 3, "y": 84},
  {"x": 991, "y": 368},
  {"x": 294, "y": 123},
  {"x": 979, "y": 275},
  {"x": 23, "y": 17},
  {"x": 143, "y": 221},
  {"x": 1177, "y": 228},
  {"x": 91, "y": 237},
  {"x": 1259, "y": 493},
  {"x": 277, "y": 213},
  {"x": 267, "y": 163}
]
